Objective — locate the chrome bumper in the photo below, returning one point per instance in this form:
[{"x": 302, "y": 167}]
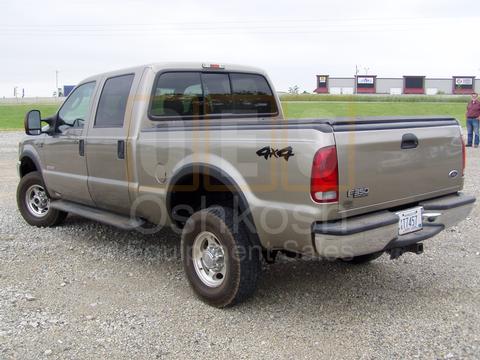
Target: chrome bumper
[{"x": 378, "y": 231}]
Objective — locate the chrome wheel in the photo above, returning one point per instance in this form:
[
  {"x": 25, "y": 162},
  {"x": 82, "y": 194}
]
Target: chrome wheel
[
  {"x": 37, "y": 201},
  {"x": 208, "y": 258}
]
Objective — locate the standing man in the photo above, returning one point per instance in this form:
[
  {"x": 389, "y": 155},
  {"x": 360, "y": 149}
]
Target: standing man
[{"x": 473, "y": 116}]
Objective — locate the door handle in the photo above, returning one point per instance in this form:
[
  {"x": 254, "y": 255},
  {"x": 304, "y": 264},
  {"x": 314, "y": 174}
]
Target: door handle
[
  {"x": 81, "y": 147},
  {"x": 409, "y": 141},
  {"x": 121, "y": 149}
]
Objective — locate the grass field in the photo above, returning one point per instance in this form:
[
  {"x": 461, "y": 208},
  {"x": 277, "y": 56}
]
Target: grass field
[
  {"x": 11, "y": 116},
  {"x": 377, "y": 98},
  {"x": 311, "y": 109}
]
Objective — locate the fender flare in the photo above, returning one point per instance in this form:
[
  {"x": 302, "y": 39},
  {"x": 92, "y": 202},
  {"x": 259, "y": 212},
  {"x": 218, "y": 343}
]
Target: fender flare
[
  {"x": 32, "y": 156},
  {"x": 224, "y": 178}
]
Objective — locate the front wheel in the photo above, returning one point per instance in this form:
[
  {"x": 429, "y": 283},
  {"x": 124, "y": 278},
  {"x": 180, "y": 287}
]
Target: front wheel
[
  {"x": 221, "y": 265},
  {"x": 34, "y": 203}
]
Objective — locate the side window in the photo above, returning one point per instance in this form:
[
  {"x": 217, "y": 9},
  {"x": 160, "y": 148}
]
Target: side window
[
  {"x": 252, "y": 95},
  {"x": 74, "y": 111},
  {"x": 218, "y": 96},
  {"x": 113, "y": 102},
  {"x": 178, "y": 94}
]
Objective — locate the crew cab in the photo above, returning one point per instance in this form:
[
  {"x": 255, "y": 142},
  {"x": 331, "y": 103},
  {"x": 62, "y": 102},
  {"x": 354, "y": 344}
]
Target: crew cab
[{"x": 205, "y": 148}]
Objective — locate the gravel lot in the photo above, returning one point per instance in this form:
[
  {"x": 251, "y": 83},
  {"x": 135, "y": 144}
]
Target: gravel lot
[{"x": 88, "y": 291}]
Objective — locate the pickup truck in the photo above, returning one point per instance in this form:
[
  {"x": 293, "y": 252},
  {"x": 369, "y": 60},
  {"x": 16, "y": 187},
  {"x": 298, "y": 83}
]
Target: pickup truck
[{"x": 205, "y": 148}]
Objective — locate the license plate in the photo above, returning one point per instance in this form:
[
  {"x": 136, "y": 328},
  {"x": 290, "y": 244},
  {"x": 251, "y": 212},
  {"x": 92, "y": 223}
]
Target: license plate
[{"x": 410, "y": 220}]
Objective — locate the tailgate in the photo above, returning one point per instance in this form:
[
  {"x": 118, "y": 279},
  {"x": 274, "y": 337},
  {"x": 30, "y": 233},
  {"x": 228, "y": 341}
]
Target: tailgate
[{"x": 386, "y": 163}]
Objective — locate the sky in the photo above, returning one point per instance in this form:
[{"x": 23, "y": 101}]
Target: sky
[{"x": 292, "y": 40}]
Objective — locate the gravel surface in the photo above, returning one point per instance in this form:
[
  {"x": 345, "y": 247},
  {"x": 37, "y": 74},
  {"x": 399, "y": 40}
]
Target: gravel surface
[{"x": 89, "y": 291}]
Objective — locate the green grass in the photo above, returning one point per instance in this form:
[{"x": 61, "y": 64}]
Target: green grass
[
  {"x": 377, "y": 98},
  {"x": 11, "y": 116},
  {"x": 310, "y": 109}
]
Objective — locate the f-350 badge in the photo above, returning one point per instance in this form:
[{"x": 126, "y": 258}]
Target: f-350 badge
[{"x": 358, "y": 192}]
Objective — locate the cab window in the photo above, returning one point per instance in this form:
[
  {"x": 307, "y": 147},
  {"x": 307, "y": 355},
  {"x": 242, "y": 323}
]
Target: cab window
[
  {"x": 252, "y": 95},
  {"x": 218, "y": 95},
  {"x": 190, "y": 95},
  {"x": 177, "y": 94},
  {"x": 113, "y": 102},
  {"x": 74, "y": 111}
]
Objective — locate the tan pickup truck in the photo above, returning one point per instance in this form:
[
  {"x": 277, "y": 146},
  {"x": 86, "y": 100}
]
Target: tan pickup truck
[{"x": 205, "y": 148}]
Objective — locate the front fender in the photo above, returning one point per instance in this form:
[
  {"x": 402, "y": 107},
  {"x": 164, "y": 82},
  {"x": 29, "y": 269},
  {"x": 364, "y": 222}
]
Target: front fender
[{"x": 28, "y": 151}]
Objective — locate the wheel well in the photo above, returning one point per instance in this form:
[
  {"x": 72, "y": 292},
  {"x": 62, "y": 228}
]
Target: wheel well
[
  {"x": 197, "y": 187},
  {"x": 27, "y": 165},
  {"x": 196, "y": 191}
]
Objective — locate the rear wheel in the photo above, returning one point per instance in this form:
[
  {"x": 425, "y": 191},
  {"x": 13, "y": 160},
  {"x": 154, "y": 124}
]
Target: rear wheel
[
  {"x": 34, "y": 203},
  {"x": 220, "y": 263},
  {"x": 362, "y": 259}
]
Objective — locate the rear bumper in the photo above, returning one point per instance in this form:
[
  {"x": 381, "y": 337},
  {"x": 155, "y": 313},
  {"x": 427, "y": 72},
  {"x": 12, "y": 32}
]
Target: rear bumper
[{"x": 378, "y": 231}]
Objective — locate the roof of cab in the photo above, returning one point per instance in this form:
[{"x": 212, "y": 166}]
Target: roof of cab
[{"x": 176, "y": 66}]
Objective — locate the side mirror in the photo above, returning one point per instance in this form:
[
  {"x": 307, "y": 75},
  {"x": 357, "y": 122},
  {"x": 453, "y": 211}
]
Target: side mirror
[{"x": 33, "y": 123}]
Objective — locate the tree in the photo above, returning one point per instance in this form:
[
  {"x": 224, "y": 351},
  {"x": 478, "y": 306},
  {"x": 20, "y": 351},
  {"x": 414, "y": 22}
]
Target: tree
[{"x": 293, "y": 90}]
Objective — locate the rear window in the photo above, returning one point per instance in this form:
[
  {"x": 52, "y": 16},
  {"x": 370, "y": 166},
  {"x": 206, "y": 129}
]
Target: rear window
[
  {"x": 217, "y": 93},
  {"x": 188, "y": 95},
  {"x": 177, "y": 94},
  {"x": 252, "y": 95}
]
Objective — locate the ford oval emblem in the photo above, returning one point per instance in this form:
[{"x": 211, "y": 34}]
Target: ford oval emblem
[{"x": 453, "y": 174}]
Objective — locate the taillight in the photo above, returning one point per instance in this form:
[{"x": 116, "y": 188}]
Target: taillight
[
  {"x": 464, "y": 156},
  {"x": 324, "y": 182}
]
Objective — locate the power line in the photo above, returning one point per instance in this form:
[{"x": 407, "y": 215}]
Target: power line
[
  {"x": 222, "y": 28},
  {"x": 246, "y": 21},
  {"x": 219, "y": 31}
]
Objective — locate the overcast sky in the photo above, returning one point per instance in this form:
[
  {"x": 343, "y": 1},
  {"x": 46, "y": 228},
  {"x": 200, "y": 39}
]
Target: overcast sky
[{"x": 292, "y": 40}]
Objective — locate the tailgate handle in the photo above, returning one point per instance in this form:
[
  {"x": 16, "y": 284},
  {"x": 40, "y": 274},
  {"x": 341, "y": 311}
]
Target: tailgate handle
[{"x": 409, "y": 141}]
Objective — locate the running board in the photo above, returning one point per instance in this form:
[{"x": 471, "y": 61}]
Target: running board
[{"x": 103, "y": 216}]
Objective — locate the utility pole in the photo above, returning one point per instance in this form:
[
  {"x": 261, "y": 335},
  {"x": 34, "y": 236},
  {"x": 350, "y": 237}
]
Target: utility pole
[
  {"x": 56, "y": 82},
  {"x": 355, "y": 80}
]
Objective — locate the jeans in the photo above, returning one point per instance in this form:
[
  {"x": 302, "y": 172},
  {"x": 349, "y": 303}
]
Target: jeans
[{"x": 473, "y": 128}]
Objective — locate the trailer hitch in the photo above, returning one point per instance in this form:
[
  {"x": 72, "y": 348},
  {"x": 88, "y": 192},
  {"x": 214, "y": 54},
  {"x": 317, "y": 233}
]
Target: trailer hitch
[{"x": 395, "y": 253}]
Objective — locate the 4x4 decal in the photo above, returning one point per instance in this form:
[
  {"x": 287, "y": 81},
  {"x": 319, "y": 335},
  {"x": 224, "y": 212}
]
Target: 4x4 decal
[{"x": 268, "y": 152}]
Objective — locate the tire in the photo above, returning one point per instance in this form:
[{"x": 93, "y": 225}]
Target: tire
[
  {"x": 37, "y": 212},
  {"x": 210, "y": 234},
  {"x": 362, "y": 259}
]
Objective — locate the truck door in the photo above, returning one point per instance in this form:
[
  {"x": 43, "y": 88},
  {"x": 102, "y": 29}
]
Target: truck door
[
  {"x": 65, "y": 173},
  {"x": 106, "y": 145}
]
